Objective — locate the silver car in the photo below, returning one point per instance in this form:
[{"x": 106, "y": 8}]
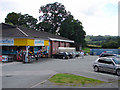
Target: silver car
[{"x": 107, "y": 64}]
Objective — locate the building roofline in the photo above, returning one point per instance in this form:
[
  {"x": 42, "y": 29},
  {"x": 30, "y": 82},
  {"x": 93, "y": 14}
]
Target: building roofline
[
  {"x": 8, "y": 24},
  {"x": 54, "y": 39},
  {"x": 48, "y": 36}
]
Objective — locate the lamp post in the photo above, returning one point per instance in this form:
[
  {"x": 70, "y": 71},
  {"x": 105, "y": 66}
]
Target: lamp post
[{"x": 26, "y": 56}]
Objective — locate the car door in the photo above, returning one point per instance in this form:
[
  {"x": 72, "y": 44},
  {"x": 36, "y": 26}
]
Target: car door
[
  {"x": 109, "y": 66},
  {"x": 61, "y": 54},
  {"x": 56, "y": 55},
  {"x": 101, "y": 64}
]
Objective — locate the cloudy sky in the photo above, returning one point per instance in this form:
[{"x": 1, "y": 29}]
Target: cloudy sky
[{"x": 99, "y": 17}]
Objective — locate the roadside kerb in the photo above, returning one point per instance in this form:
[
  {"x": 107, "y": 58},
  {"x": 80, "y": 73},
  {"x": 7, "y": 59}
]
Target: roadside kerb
[{"x": 43, "y": 81}]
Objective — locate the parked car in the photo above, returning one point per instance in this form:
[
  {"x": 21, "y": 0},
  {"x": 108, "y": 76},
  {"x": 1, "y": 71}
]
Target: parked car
[
  {"x": 61, "y": 55},
  {"x": 107, "y": 64},
  {"x": 106, "y": 55},
  {"x": 117, "y": 56},
  {"x": 71, "y": 55},
  {"x": 76, "y": 54}
]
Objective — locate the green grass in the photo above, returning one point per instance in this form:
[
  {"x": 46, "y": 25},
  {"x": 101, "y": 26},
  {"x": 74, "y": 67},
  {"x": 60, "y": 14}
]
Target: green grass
[
  {"x": 87, "y": 50},
  {"x": 73, "y": 80},
  {"x": 95, "y": 45}
]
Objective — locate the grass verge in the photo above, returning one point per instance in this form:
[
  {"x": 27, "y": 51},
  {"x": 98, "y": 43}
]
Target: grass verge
[{"x": 73, "y": 80}]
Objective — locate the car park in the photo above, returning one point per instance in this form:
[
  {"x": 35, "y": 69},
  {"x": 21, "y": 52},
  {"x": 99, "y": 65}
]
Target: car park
[
  {"x": 107, "y": 64},
  {"x": 61, "y": 55}
]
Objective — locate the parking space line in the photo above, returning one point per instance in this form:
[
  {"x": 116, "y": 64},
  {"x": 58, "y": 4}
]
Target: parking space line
[
  {"x": 38, "y": 84},
  {"x": 100, "y": 73}
]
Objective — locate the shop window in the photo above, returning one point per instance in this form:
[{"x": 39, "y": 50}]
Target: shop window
[{"x": 5, "y": 48}]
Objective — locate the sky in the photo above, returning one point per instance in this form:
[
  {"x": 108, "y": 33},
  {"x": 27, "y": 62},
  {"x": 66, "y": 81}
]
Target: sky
[{"x": 98, "y": 17}]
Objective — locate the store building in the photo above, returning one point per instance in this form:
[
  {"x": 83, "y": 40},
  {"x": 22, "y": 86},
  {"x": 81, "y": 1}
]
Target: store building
[{"x": 15, "y": 39}]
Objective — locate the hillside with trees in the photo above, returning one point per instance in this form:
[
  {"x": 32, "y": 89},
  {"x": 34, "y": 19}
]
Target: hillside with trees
[{"x": 103, "y": 41}]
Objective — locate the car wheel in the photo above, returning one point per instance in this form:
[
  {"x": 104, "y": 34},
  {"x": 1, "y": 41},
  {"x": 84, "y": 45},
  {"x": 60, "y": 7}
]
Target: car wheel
[
  {"x": 118, "y": 72},
  {"x": 63, "y": 57},
  {"x": 96, "y": 69},
  {"x": 68, "y": 57}
]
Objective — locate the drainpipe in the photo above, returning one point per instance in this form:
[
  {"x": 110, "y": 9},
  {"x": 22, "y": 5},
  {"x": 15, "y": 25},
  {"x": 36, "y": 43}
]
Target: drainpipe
[{"x": 51, "y": 46}]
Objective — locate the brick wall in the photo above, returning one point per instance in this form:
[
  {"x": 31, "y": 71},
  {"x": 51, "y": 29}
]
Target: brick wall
[
  {"x": 55, "y": 44},
  {"x": 61, "y": 44},
  {"x": 67, "y": 44}
]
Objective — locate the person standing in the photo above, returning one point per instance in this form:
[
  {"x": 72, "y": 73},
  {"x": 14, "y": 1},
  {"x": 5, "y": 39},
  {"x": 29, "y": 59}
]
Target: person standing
[{"x": 82, "y": 54}]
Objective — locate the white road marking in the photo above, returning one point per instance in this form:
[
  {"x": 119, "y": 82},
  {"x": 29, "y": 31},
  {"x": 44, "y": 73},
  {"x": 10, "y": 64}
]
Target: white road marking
[
  {"x": 100, "y": 73},
  {"x": 38, "y": 84}
]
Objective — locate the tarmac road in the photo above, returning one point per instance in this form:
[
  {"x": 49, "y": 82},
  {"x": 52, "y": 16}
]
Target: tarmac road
[{"x": 35, "y": 75}]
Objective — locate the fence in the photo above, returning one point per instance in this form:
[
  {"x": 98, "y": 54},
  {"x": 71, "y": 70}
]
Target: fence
[{"x": 99, "y": 51}]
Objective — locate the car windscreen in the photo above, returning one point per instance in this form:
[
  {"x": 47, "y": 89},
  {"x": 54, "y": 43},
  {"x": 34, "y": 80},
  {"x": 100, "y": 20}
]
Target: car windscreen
[
  {"x": 116, "y": 60},
  {"x": 118, "y": 56},
  {"x": 106, "y": 55}
]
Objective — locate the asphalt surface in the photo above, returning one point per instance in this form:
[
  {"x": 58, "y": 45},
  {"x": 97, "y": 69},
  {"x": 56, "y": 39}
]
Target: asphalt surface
[{"x": 36, "y": 74}]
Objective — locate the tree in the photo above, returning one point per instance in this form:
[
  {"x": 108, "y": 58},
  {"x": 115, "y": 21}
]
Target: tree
[
  {"x": 43, "y": 26},
  {"x": 30, "y": 21},
  {"x": 57, "y": 20},
  {"x": 53, "y": 14},
  {"x": 12, "y": 18},
  {"x": 73, "y": 29},
  {"x": 21, "y": 20}
]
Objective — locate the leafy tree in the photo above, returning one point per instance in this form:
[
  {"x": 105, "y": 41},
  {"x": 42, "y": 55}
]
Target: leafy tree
[
  {"x": 73, "y": 29},
  {"x": 53, "y": 15},
  {"x": 12, "y": 18},
  {"x": 30, "y": 21},
  {"x": 21, "y": 20},
  {"x": 57, "y": 20},
  {"x": 43, "y": 26}
]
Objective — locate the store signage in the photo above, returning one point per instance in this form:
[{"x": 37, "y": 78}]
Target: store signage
[
  {"x": 39, "y": 42},
  {"x": 46, "y": 42},
  {"x": 7, "y": 42}
]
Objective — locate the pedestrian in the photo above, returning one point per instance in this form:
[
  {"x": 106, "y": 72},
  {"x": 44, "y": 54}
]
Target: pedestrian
[{"x": 82, "y": 54}]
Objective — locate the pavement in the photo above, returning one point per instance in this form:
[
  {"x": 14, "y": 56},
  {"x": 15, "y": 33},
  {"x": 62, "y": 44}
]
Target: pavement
[{"x": 36, "y": 74}]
